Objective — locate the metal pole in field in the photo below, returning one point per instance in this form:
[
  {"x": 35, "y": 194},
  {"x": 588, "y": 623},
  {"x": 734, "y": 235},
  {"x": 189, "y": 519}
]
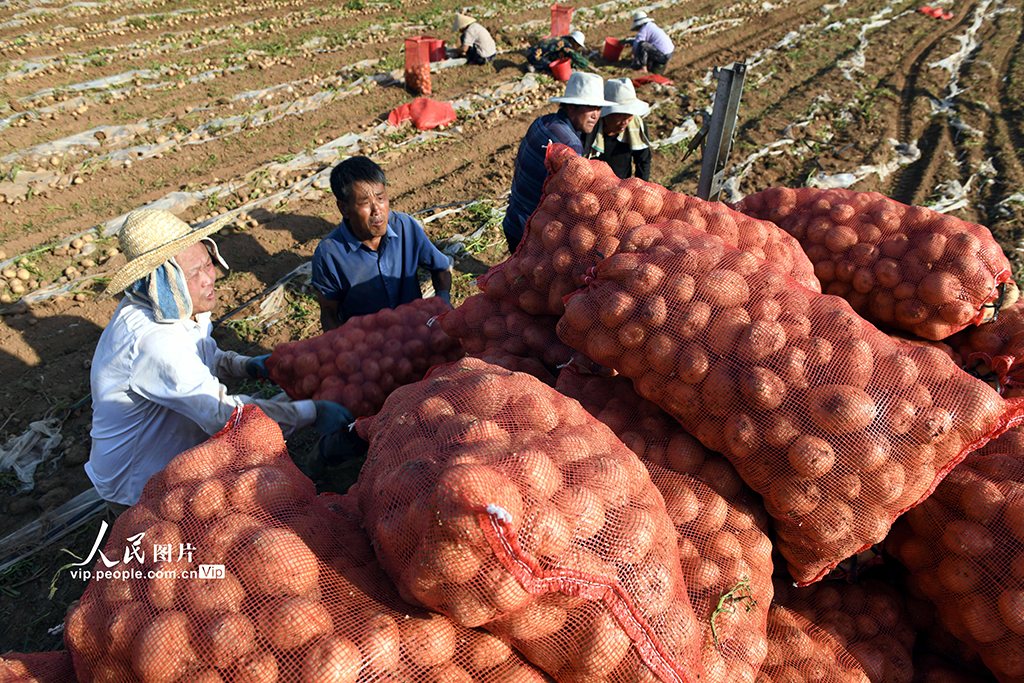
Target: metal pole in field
[{"x": 720, "y": 130}]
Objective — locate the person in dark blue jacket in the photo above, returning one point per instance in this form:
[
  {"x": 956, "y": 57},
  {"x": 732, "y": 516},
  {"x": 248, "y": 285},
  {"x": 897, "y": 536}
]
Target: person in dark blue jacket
[{"x": 579, "y": 112}]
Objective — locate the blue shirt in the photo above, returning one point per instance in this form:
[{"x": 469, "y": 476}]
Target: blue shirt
[
  {"x": 365, "y": 281},
  {"x": 530, "y": 171}
]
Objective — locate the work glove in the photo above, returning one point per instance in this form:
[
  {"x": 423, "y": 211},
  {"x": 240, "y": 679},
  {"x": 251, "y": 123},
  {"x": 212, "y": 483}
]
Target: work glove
[
  {"x": 446, "y": 295},
  {"x": 256, "y": 367},
  {"x": 331, "y": 416}
]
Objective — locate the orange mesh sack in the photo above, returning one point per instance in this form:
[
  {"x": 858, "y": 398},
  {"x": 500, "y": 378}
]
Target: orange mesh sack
[
  {"x": 727, "y": 566},
  {"x": 904, "y": 266},
  {"x": 837, "y": 426},
  {"x": 585, "y": 211},
  {"x": 656, "y": 437},
  {"x": 800, "y": 652},
  {"x": 964, "y": 548},
  {"x": 361, "y": 362},
  {"x": 867, "y": 618},
  {"x": 492, "y": 498},
  {"x": 39, "y": 667},
  {"x": 482, "y": 323},
  {"x": 995, "y": 349},
  {"x": 301, "y": 597},
  {"x": 933, "y": 669},
  {"x": 531, "y": 366}
]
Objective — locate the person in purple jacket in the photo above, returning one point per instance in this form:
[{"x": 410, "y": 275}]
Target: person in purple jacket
[
  {"x": 578, "y": 112},
  {"x": 652, "y": 48}
]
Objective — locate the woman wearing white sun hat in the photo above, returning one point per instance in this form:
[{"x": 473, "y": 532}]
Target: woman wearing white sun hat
[
  {"x": 154, "y": 377},
  {"x": 652, "y": 48},
  {"x": 476, "y": 42},
  {"x": 620, "y": 138},
  {"x": 578, "y": 112},
  {"x": 553, "y": 48}
]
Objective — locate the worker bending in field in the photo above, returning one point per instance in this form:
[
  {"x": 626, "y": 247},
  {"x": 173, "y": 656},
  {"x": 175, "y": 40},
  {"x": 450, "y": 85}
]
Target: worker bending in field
[
  {"x": 155, "y": 386},
  {"x": 475, "y": 42},
  {"x": 553, "y": 48},
  {"x": 369, "y": 262},
  {"x": 620, "y": 137},
  {"x": 578, "y": 113},
  {"x": 652, "y": 48}
]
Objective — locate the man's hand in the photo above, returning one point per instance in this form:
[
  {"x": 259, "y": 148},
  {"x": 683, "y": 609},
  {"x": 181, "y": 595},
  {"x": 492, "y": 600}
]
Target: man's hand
[
  {"x": 331, "y": 416},
  {"x": 256, "y": 367}
]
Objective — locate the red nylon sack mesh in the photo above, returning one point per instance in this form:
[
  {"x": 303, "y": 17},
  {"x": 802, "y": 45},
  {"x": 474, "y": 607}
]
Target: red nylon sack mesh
[
  {"x": 362, "y": 361},
  {"x": 995, "y": 349},
  {"x": 531, "y": 366},
  {"x": 492, "y": 498},
  {"x": 726, "y": 562},
  {"x": 903, "y": 266},
  {"x": 585, "y": 211},
  {"x": 39, "y": 667},
  {"x": 964, "y": 549},
  {"x": 868, "y": 619},
  {"x": 931, "y": 668},
  {"x": 425, "y": 113},
  {"x": 302, "y": 598},
  {"x": 837, "y": 426},
  {"x": 482, "y": 322},
  {"x": 656, "y": 437},
  {"x": 800, "y": 652}
]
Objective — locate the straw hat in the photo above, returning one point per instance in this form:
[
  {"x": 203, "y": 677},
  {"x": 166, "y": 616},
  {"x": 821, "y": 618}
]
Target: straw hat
[
  {"x": 584, "y": 89},
  {"x": 621, "y": 93},
  {"x": 578, "y": 37},
  {"x": 639, "y": 19},
  {"x": 462, "y": 21},
  {"x": 149, "y": 238}
]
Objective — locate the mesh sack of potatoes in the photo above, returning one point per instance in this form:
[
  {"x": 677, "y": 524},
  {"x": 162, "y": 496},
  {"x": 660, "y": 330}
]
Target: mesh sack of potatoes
[
  {"x": 492, "y": 498},
  {"x": 301, "y": 597},
  {"x": 964, "y": 549},
  {"x": 656, "y": 437},
  {"x": 583, "y": 214},
  {"x": 362, "y": 361},
  {"x": 727, "y": 566},
  {"x": 838, "y": 427},
  {"x": 993, "y": 349},
  {"x": 482, "y": 323},
  {"x": 800, "y": 652},
  {"x": 867, "y": 618},
  {"x": 37, "y": 667},
  {"x": 904, "y": 266}
]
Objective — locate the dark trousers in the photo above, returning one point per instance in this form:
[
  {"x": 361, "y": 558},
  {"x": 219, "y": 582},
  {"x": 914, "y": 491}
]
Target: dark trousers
[
  {"x": 646, "y": 55},
  {"x": 473, "y": 56}
]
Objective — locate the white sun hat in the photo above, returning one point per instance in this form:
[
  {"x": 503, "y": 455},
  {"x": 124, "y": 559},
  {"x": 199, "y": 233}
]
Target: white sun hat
[
  {"x": 621, "y": 93},
  {"x": 578, "y": 37},
  {"x": 639, "y": 19},
  {"x": 584, "y": 89},
  {"x": 151, "y": 237},
  {"x": 462, "y": 21}
]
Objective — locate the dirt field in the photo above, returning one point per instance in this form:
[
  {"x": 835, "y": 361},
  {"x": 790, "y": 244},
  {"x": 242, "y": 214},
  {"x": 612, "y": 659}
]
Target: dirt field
[{"x": 216, "y": 107}]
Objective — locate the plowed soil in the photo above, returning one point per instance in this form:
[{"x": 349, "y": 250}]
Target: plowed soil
[{"x": 925, "y": 110}]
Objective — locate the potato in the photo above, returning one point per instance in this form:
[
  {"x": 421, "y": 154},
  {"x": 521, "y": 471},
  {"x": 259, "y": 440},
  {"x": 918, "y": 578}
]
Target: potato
[
  {"x": 266, "y": 489},
  {"x": 333, "y": 659},
  {"x": 380, "y": 642},
  {"x": 294, "y": 622},
  {"x": 811, "y": 456},
  {"x": 162, "y": 651},
  {"x": 202, "y": 595},
  {"x": 225, "y": 638},
  {"x": 258, "y": 666},
  {"x": 840, "y": 409},
  {"x": 428, "y": 640},
  {"x": 122, "y": 627},
  {"x": 276, "y": 562}
]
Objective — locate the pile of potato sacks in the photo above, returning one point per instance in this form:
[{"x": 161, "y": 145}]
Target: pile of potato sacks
[{"x": 669, "y": 415}]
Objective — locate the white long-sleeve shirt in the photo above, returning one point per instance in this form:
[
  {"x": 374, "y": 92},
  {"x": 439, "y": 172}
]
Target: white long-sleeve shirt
[{"x": 155, "y": 393}]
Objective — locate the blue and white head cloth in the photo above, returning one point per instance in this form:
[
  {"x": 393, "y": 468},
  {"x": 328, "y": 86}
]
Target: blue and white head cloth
[{"x": 150, "y": 239}]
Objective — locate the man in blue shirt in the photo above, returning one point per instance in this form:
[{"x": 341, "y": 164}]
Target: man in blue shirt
[
  {"x": 578, "y": 114},
  {"x": 369, "y": 262}
]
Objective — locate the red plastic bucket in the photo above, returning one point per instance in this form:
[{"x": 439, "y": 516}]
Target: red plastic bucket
[
  {"x": 561, "y": 69},
  {"x": 437, "y": 50},
  {"x": 612, "y": 49}
]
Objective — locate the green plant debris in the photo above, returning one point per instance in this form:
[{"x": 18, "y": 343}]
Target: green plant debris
[{"x": 727, "y": 603}]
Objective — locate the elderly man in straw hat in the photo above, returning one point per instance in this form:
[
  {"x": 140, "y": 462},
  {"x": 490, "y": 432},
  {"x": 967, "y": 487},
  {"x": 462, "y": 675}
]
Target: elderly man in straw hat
[
  {"x": 155, "y": 386},
  {"x": 620, "y": 138},
  {"x": 579, "y": 109},
  {"x": 553, "y": 48},
  {"x": 475, "y": 41}
]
